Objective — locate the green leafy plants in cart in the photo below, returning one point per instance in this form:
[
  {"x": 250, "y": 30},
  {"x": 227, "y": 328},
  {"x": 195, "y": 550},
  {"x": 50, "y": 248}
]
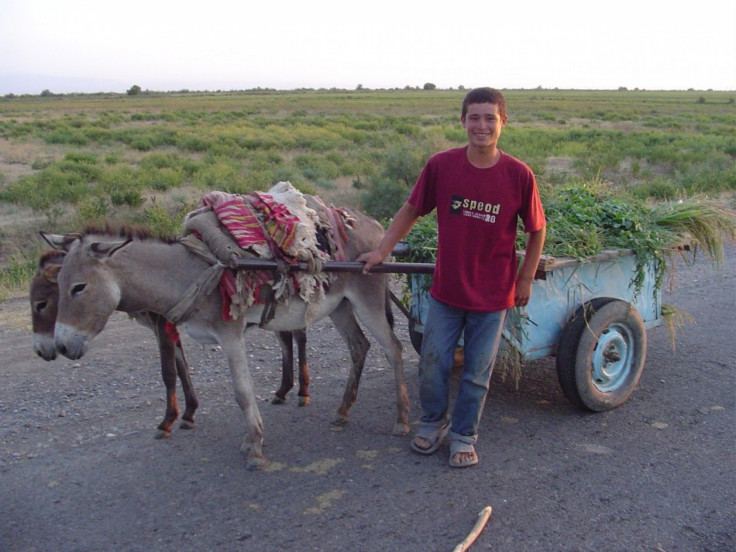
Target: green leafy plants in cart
[{"x": 586, "y": 218}]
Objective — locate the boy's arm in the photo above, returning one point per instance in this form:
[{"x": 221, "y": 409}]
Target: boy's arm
[
  {"x": 399, "y": 228},
  {"x": 534, "y": 245}
]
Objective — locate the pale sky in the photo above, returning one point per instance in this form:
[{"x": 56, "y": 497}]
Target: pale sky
[{"x": 103, "y": 46}]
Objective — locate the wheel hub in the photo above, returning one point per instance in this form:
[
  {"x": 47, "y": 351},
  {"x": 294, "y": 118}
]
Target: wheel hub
[{"x": 612, "y": 358}]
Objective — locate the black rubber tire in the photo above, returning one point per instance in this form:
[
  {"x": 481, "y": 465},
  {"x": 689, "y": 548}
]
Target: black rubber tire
[
  {"x": 415, "y": 337},
  {"x": 601, "y": 354}
]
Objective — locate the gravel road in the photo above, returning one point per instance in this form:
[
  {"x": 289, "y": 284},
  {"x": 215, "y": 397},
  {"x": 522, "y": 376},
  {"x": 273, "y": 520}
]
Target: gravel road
[{"x": 80, "y": 469}]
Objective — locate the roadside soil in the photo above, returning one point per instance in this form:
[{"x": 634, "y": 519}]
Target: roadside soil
[{"x": 80, "y": 469}]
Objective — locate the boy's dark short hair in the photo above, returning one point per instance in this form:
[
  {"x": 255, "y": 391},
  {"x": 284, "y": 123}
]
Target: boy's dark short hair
[{"x": 485, "y": 95}]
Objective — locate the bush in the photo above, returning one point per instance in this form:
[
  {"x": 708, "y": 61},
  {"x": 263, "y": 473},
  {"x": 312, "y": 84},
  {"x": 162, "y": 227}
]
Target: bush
[
  {"x": 316, "y": 167},
  {"x": 164, "y": 222},
  {"x": 129, "y": 197},
  {"x": 383, "y": 198},
  {"x": 160, "y": 161},
  {"x": 387, "y": 191},
  {"x": 162, "y": 179},
  {"x": 92, "y": 210}
]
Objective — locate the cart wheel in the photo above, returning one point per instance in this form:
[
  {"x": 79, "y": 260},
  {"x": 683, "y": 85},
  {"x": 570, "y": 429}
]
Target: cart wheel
[
  {"x": 601, "y": 353},
  {"x": 415, "y": 337}
]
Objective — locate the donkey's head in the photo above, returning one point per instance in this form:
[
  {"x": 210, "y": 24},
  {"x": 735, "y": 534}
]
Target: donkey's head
[
  {"x": 88, "y": 290},
  {"x": 44, "y": 296}
]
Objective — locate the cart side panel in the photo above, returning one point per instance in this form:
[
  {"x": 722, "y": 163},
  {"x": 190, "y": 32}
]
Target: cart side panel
[
  {"x": 555, "y": 299},
  {"x": 535, "y": 330}
]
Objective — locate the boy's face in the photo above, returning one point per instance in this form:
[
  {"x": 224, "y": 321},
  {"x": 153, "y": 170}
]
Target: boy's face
[{"x": 483, "y": 123}]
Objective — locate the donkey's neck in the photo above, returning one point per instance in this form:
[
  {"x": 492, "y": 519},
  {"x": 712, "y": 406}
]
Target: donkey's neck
[{"x": 154, "y": 275}]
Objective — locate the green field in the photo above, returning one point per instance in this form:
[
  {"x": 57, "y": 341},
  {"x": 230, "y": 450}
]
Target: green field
[{"x": 70, "y": 159}]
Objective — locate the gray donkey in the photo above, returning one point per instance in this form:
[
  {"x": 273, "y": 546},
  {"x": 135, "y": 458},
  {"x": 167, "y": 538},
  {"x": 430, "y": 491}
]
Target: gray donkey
[{"x": 103, "y": 272}]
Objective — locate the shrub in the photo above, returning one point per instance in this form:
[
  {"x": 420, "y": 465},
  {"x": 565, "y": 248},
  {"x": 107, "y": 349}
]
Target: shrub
[
  {"x": 129, "y": 197},
  {"x": 83, "y": 164},
  {"x": 141, "y": 143},
  {"x": 118, "y": 177},
  {"x": 163, "y": 222},
  {"x": 315, "y": 167},
  {"x": 161, "y": 160},
  {"x": 16, "y": 273},
  {"x": 162, "y": 179},
  {"x": 388, "y": 190},
  {"x": 69, "y": 136},
  {"x": 219, "y": 174},
  {"x": 383, "y": 198},
  {"x": 92, "y": 210},
  {"x": 660, "y": 189}
]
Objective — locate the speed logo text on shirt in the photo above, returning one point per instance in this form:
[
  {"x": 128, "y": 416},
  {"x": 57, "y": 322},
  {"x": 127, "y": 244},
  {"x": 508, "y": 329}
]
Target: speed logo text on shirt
[{"x": 474, "y": 209}]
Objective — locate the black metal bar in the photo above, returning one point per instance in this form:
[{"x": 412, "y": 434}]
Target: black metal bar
[{"x": 338, "y": 266}]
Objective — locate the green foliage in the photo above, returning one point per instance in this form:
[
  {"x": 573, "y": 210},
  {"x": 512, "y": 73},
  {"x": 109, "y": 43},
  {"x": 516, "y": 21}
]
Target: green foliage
[
  {"x": 93, "y": 156},
  {"x": 130, "y": 197},
  {"x": 705, "y": 223},
  {"x": 317, "y": 167},
  {"x": 422, "y": 240},
  {"x": 384, "y": 198},
  {"x": 161, "y": 221},
  {"x": 386, "y": 192},
  {"x": 586, "y": 218},
  {"x": 219, "y": 173},
  {"x": 93, "y": 210},
  {"x": 15, "y": 274}
]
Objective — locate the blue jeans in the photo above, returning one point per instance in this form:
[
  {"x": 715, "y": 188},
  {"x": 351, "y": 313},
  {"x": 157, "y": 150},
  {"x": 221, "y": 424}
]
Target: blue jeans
[{"x": 443, "y": 327}]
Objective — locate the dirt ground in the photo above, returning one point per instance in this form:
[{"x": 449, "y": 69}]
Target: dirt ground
[{"x": 80, "y": 469}]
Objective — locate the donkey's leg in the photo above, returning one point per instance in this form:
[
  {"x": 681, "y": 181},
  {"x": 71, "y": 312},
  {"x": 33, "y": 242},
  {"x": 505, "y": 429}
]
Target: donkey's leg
[
  {"x": 166, "y": 348},
  {"x": 231, "y": 339},
  {"x": 358, "y": 344},
  {"x": 159, "y": 323},
  {"x": 190, "y": 397},
  {"x": 300, "y": 336},
  {"x": 374, "y": 316},
  {"x": 287, "y": 366}
]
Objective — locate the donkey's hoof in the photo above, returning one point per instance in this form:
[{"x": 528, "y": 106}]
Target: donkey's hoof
[
  {"x": 277, "y": 400},
  {"x": 401, "y": 428},
  {"x": 339, "y": 423},
  {"x": 162, "y": 433},
  {"x": 256, "y": 463},
  {"x": 303, "y": 401},
  {"x": 186, "y": 424}
]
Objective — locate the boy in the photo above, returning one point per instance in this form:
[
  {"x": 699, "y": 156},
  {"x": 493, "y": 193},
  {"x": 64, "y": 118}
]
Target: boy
[{"x": 479, "y": 192}]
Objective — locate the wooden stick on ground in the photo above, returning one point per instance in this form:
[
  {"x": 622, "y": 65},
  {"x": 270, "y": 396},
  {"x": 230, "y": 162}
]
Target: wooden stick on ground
[{"x": 483, "y": 516}]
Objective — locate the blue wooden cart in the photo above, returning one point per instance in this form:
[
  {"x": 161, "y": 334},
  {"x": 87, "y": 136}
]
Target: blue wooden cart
[{"x": 588, "y": 314}]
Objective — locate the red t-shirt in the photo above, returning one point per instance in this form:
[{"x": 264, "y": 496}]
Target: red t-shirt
[{"x": 477, "y": 215}]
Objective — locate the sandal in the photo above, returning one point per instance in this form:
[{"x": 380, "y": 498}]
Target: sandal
[
  {"x": 461, "y": 448},
  {"x": 433, "y": 434}
]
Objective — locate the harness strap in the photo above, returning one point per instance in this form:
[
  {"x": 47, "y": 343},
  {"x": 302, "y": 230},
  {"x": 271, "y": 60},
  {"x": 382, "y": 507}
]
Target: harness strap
[{"x": 202, "y": 286}]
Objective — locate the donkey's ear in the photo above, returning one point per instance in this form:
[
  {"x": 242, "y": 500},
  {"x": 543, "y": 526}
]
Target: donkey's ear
[
  {"x": 51, "y": 273},
  {"x": 51, "y": 257},
  {"x": 60, "y": 241},
  {"x": 107, "y": 248}
]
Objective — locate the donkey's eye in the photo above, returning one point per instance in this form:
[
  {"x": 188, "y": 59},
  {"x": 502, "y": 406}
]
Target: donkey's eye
[
  {"x": 78, "y": 288},
  {"x": 39, "y": 306}
]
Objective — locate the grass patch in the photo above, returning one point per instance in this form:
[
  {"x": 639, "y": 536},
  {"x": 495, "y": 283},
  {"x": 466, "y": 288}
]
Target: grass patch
[{"x": 109, "y": 154}]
